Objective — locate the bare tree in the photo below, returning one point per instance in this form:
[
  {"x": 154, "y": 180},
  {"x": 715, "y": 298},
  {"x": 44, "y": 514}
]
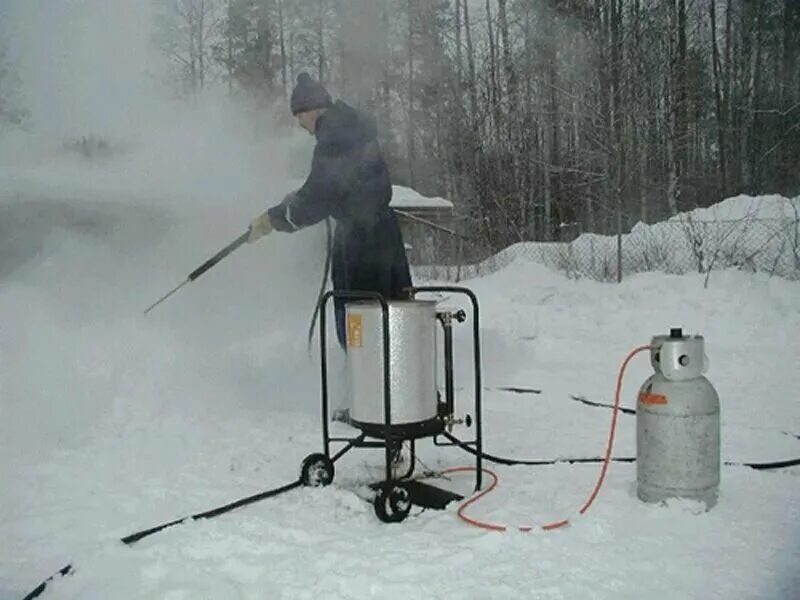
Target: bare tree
[
  {"x": 11, "y": 109},
  {"x": 284, "y": 58},
  {"x": 678, "y": 119},
  {"x": 185, "y": 33},
  {"x": 720, "y": 114}
]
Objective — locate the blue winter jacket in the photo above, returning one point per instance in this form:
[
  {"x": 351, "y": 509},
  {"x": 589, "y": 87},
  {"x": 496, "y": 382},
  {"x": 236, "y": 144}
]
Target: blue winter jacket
[{"x": 349, "y": 181}]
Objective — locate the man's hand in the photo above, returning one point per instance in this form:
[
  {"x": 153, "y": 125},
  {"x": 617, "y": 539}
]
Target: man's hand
[{"x": 260, "y": 226}]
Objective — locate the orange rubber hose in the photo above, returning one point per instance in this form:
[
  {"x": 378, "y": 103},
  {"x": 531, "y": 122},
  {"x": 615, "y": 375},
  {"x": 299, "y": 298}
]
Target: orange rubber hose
[{"x": 598, "y": 484}]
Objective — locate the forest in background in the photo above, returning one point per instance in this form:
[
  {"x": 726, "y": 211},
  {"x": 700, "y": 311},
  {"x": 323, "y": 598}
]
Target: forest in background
[{"x": 539, "y": 119}]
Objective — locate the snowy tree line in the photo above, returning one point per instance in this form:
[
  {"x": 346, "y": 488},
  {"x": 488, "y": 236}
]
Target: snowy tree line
[
  {"x": 12, "y": 111},
  {"x": 541, "y": 119}
]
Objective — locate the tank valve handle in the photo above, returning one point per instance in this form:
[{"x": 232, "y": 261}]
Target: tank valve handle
[{"x": 451, "y": 421}]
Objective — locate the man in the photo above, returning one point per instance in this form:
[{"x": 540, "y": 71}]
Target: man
[{"x": 349, "y": 182}]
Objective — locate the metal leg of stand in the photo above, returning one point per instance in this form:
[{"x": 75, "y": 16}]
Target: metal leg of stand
[
  {"x": 413, "y": 459},
  {"x": 354, "y": 442}
]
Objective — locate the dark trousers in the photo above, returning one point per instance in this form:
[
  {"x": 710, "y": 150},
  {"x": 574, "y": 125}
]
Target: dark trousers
[{"x": 368, "y": 259}]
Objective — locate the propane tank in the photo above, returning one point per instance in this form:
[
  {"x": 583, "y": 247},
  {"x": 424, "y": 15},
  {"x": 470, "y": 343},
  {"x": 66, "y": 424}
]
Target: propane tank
[{"x": 678, "y": 424}]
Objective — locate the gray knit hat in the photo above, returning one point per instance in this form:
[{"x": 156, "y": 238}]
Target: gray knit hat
[{"x": 308, "y": 95}]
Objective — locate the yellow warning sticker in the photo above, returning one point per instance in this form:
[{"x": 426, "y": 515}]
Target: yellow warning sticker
[{"x": 355, "y": 331}]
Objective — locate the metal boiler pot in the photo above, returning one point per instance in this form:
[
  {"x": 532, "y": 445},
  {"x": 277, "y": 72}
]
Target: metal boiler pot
[{"x": 412, "y": 366}]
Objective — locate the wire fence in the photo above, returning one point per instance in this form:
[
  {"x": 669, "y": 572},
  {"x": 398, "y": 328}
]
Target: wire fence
[{"x": 769, "y": 246}]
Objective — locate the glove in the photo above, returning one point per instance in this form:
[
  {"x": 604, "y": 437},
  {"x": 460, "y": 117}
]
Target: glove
[
  {"x": 259, "y": 227},
  {"x": 280, "y": 215}
]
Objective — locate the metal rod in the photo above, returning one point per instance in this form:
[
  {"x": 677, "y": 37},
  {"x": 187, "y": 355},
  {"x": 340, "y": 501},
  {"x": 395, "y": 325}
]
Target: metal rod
[
  {"x": 323, "y": 362},
  {"x": 350, "y": 444},
  {"x": 449, "y": 388},
  {"x": 476, "y": 332},
  {"x": 387, "y": 400},
  {"x": 476, "y": 341},
  {"x": 160, "y": 300},
  {"x": 413, "y": 217},
  {"x": 323, "y": 302},
  {"x": 362, "y": 444},
  {"x": 204, "y": 267}
]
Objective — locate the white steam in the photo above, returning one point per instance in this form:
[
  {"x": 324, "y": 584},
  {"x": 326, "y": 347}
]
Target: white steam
[{"x": 113, "y": 195}]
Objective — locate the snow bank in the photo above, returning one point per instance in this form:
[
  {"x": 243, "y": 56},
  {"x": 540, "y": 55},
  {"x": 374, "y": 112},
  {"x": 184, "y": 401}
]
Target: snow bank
[
  {"x": 746, "y": 207},
  {"x": 403, "y": 197},
  {"x": 755, "y": 234}
]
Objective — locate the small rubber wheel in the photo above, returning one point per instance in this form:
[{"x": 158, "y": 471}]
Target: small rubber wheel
[
  {"x": 392, "y": 503},
  {"x": 317, "y": 470}
]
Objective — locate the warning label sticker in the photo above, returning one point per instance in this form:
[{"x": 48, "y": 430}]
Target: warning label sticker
[{"x": 355, "y": 331}]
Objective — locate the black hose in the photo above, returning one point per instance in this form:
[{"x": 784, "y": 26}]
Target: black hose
[
  {"x": 759, "y": 466},
  {"x": 623, "y": 410},
  {"x": 534, "y": 463},
  {"x": 632, "y": 411},
  {"x": 326, "y": 271},
  {"x": 209, "y": 514},
  {"x": 41, "y": 587},
  {"x": 778, "y": 464}
]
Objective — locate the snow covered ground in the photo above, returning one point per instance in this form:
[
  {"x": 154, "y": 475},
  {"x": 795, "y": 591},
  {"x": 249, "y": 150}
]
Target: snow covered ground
[{"x": 113, "y": 422}]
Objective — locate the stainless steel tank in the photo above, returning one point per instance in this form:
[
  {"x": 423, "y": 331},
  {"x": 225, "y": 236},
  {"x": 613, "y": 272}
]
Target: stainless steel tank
[
  {"x": 678, "y": 424},
  {"x": 412, "y": 362}
]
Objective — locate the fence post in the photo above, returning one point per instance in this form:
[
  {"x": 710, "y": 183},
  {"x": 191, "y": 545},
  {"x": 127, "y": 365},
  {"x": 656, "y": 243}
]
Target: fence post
[
  {"x": 460, "y": 259},
  {"x": 619, "y": 238}
]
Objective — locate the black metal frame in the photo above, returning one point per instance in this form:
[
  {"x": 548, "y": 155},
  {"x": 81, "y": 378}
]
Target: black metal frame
[
  {"x": 393, "y": 436},
  {"x": 476, "y": 351}
]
